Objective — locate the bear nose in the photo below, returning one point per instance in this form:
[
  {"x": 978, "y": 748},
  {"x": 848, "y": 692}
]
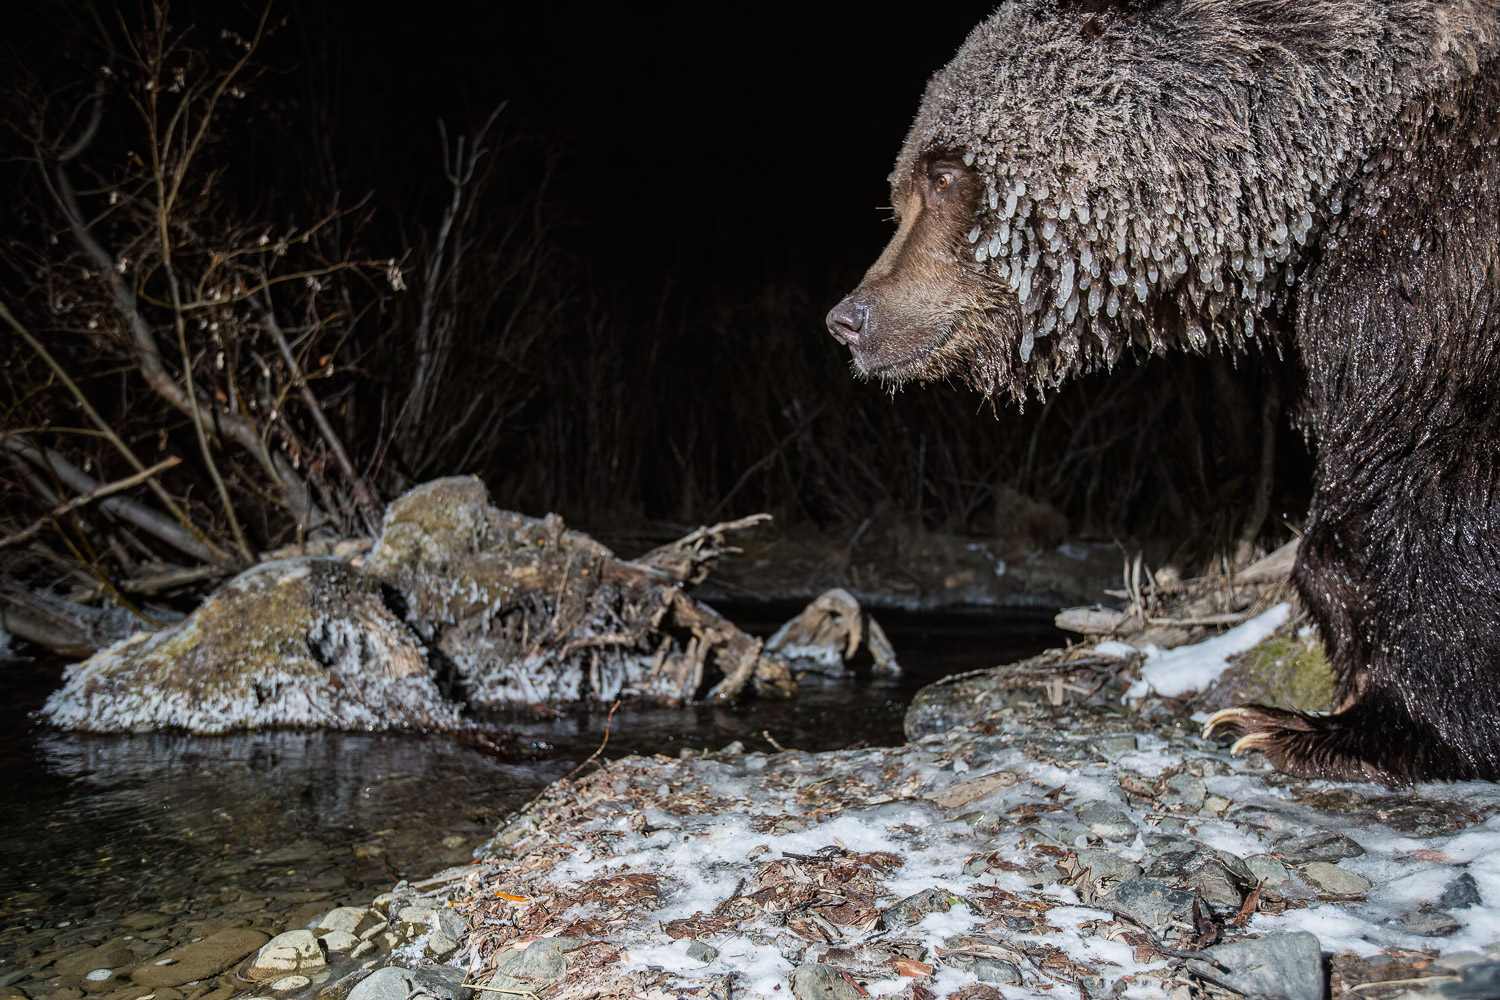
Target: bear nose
[{"x": 847, "y": 320}]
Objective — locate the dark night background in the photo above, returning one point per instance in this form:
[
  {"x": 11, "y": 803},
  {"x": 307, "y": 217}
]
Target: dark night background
[{"x": 683, "y": 192}]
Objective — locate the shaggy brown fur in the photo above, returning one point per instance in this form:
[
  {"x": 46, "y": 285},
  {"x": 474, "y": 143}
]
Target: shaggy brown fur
[{"x": 1320, "y": 177}]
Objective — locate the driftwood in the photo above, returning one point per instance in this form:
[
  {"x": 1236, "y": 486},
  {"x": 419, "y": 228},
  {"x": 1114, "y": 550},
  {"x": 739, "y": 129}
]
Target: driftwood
[
  {"x": 1166, "y": 611},
  {"x": 830, "y": 633}
]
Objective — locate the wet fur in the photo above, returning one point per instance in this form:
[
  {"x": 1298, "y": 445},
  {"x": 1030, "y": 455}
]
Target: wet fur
[{"x": 1316, "y": 177}]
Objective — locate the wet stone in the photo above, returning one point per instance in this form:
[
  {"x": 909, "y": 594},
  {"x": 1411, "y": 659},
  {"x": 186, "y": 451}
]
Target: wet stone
[
  {"x": 350, "y": 919},
  {"x": 819, "y": 982},
  {"x": 294, "y": 951},
  {"x": 1277, "y": 965},
  {"x": 1266, "y": 869},
  {"x": 200, "y": 959},
  {"x": 101, "y": 981},
  {"x": 1324, "y": 845},
  {"x": 289, "y": 983},
  {"x": 913, "y": 908},
  {"x": 395, "y": 983},
  {"x": 1461, "y": 893},
  {"x": 111, "y": 955},
  {"x": 336, "y": 941},
  {"x": 1334, "y": 880},
  {"x": 1103, "y": 865},
  {"x": 1106, "y": 821},
  {"x": 1153, "y": 903},
  {"x": 340, "y": 989}
]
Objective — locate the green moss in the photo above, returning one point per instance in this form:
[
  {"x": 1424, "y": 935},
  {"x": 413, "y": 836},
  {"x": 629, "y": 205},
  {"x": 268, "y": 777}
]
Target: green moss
[{"x": 1293, "y": 672}]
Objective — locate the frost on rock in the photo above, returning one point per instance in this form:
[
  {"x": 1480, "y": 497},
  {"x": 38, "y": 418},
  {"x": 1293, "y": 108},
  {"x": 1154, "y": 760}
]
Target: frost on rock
[
  {"x": 528, "y": 611},
  {"x": 496, "y": 606},
  {"x": 295, "y": 642},
  {"x": 830, "y": 633}
]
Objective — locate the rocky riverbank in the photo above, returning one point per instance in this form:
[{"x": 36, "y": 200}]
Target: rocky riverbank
[
  {"x": 1076, "y": 849},
  {"x": 1056, "y": 827}
]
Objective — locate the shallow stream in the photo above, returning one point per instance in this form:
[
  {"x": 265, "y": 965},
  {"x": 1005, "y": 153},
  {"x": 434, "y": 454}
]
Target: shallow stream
[{"x": 272, "y": 828}]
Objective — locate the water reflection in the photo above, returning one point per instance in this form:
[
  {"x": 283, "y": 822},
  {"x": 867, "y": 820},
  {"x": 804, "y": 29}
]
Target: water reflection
[{"x": 98, "y": 826}]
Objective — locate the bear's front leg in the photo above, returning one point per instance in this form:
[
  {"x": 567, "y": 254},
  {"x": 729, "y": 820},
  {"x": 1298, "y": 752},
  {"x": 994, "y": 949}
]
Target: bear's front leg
[{"x": 1400, "y": 568}]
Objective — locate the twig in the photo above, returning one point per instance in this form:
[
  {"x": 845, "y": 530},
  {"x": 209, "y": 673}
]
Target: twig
[
  {"x": 500, "y": 989},
  {"x": 36, "y": 526},
  {"x": 1353, "y": 990},
  {"x": 136, "y": 513},
  {"x": 212, "y": 553},
  {"x": 607, "y": 720},
  {"x": 364, "y": 501}
]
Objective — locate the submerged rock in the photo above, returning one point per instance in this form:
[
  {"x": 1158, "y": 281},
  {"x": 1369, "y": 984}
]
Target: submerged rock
[{"x": 198, "y": 960}]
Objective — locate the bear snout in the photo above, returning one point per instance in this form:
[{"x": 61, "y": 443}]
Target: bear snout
[{"x": 847, "y": 320}]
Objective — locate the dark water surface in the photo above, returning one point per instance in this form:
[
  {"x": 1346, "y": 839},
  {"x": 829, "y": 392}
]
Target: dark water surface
[{"x": 98, "y": 826}]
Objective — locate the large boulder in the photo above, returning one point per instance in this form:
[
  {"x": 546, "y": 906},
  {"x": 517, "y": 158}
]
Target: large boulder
[{"x": 295, "y": 642}]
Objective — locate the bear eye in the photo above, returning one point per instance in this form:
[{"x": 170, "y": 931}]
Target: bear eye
[{"x": 942, "y": 180}]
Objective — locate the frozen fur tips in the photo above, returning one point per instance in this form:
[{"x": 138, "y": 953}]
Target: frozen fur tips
[{"x": 1180, "y": 155}]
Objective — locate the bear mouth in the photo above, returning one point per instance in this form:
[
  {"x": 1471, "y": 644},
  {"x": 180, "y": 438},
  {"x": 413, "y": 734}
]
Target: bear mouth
[{"x": 919, "y": 362}]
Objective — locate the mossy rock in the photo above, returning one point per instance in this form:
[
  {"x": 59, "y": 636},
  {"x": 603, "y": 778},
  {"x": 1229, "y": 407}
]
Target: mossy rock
[
  {"x": 1288, "y": 670},
  {"x": 295, "y": 642}
]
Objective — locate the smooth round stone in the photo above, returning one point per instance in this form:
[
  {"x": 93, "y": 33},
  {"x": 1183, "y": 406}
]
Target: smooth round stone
[{"x": 288, "y": 983}]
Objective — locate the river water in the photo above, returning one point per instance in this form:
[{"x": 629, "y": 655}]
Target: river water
[{"x": 282, "y": 824}]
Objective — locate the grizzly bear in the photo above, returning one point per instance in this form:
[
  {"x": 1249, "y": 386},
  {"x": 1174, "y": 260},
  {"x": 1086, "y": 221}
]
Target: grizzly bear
[{"x": 1087, "y": 180}]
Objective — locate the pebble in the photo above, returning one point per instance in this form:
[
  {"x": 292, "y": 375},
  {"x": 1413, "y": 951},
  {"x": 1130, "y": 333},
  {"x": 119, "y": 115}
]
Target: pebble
[
  {"x": 348, "y": 919},
  {"x": 111, "y": 955},
  {"x": 1266, "y": 868},
  {"x": 1203, "y": 873},
  {"x": 1103, "y": 865},
  {"x": 395, "y": 983},
  {"x": 1276, "y": 965},
  {"x": 700, "y": 952},
  {"x": 1106, "y": 821},
  {"x": 814, "y": 981},
  {"x": 1462, "y": 892},
  {"x": 1151, "y": 902},
  {"x": 294, "y": 951},
  {"x": 542, "y": 960},
  {"x": 1185, "y": 791},
  {"x": 913, "y": 908},
  {"x": 288, "y": 983},
  {"x": 1332, "y": 879},
  {"x": 1324, "y": 845},
  {"x": 336, "y": 941}
]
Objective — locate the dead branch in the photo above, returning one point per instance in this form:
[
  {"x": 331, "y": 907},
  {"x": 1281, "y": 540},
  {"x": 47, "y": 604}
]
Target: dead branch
[
  {"x": 216, "y": 554},
  {"x": 364, "y": 499},
  {"x": 107, "y": 489},
  {"x": 152, "y": 522}
]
